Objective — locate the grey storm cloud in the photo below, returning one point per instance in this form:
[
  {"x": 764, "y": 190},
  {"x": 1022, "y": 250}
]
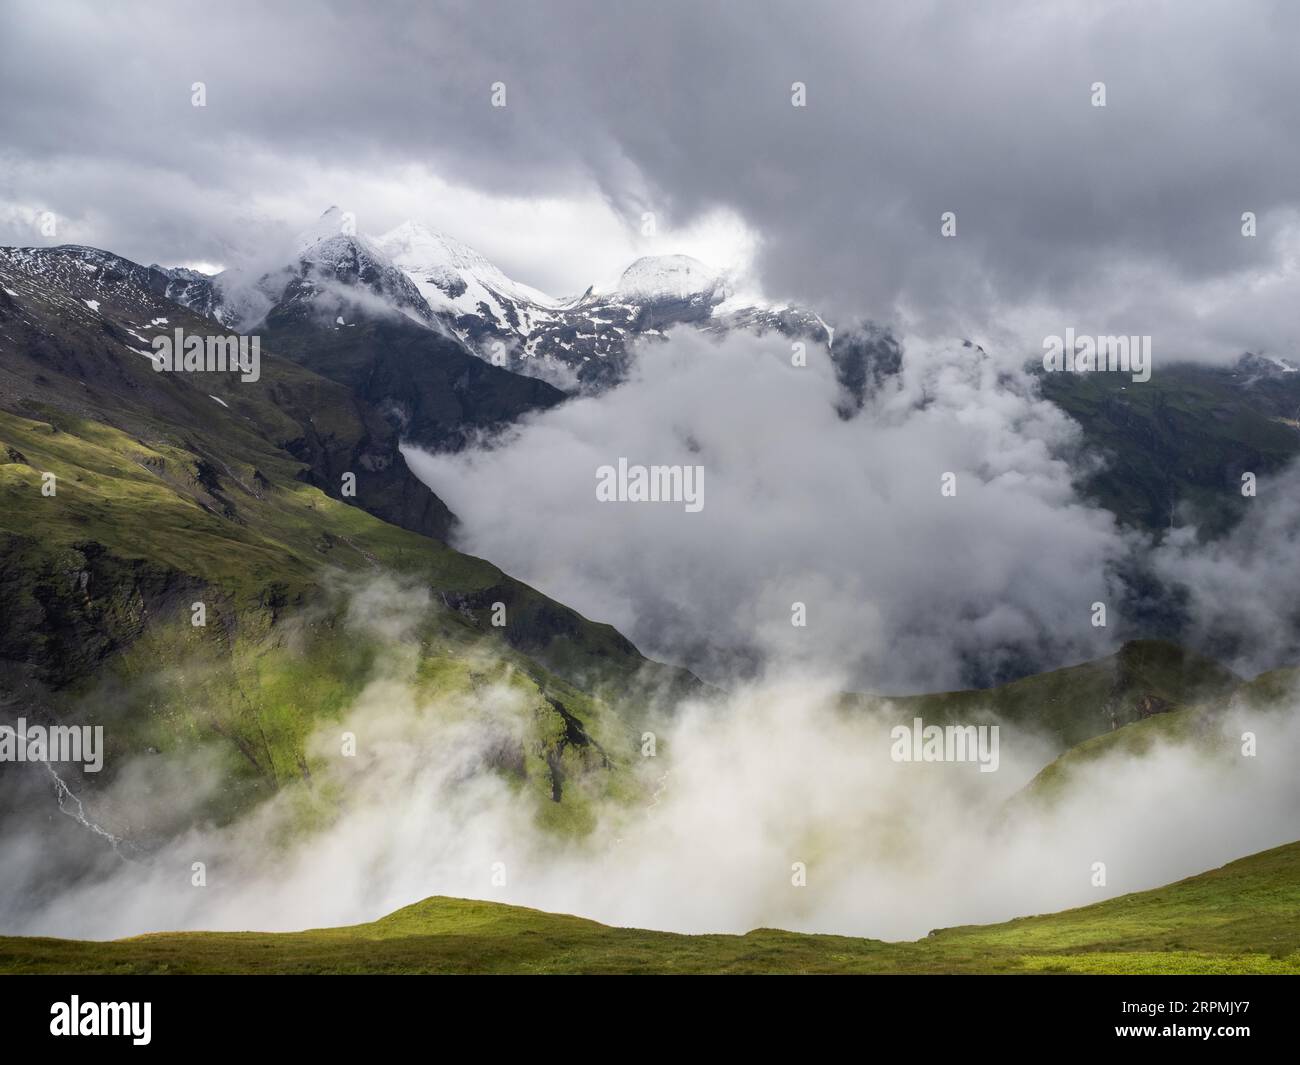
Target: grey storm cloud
[{"x": 1123, "y": 218}]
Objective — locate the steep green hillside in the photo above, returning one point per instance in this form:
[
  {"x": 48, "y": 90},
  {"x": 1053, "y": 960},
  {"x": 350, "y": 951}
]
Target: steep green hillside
[
  {"x": 100, "y": 583},
  {"x": 127, "y": 496},
  {"x": 1237, "y": 919}
]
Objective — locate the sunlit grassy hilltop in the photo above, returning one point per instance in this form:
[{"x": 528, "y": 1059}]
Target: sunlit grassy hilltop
[{"x": 1241, "y": 918}]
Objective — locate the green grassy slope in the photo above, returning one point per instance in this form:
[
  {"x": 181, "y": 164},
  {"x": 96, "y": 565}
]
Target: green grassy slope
[
  {"x": 1196, "y": 725},
  {"x": 247, "y": 528},
  {"x": 99, "y": 583},
  {"x": 1237, "y": 919},
  {"x": 173, "y": 489},
  {"x": 1076, "y": 703},
  {"x": 202, "y": 462},
  {"x": 57, "y": 354}
]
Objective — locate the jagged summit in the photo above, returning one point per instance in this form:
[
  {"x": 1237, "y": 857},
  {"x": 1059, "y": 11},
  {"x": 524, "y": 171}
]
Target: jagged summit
[
  {"x": 1266, "y": 365},
  {"x": 331, "y": 276},
  {"x": 182, "y": 273}
]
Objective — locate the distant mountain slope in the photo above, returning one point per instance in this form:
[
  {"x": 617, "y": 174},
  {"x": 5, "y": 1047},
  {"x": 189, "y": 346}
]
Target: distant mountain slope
[
  {"x": 76, "y": 326},
  {"x": 1236, "y": 919},
  {"x": 1191, "y": 721},
  {"x": 429, "y": 389},
  {"x": 577, "y": 342},
  {"x": 587, "y": 339},
  {"x": 1075, "y": 703},
  {"x": 1174, "y": 447},
  {"x": 1184, "y": 438},
  {"x": 587, "y": 336}
]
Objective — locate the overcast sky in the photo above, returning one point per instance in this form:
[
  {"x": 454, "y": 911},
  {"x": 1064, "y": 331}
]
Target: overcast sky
[{"x": 1125, "y": 218}]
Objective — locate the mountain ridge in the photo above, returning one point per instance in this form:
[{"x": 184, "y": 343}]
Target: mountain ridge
[{"x": 578, "y": 343}]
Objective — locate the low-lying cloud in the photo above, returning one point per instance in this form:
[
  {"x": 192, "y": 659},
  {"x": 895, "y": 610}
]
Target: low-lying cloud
[
  {"x": 1241, "y": 603},
  {"x": 904, "y": 587},
  {"x": 741, "y": 791}
]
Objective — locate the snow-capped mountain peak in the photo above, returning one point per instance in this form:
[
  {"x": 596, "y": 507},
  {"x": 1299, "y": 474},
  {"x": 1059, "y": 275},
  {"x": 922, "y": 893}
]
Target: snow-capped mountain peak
[
  {"x": 333, "y": 223},
  {"x": 451, "y": 274},
  {"x": 669, "y": 277},
  {"x": 332, "y": 244},
  {"x": 330, "y": 276}
]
